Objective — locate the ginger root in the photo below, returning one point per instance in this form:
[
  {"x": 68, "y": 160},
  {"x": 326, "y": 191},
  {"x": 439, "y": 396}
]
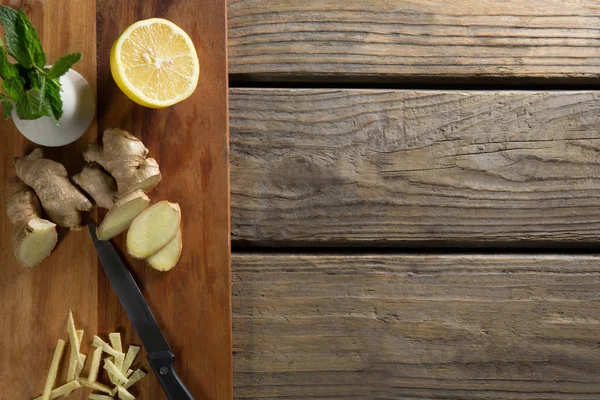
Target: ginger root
[
  {"x": 125, "y": 157},
  {"x": 117, "y": 178},
  {"x": 101, "y": 187},
  {"x": 98, "y": 184},
  {"x": 118, "y": 219},
  {"x": 153, "y": 229},
  {"x": 61, "y": 200},
  {"x": 33, "y": 238}
]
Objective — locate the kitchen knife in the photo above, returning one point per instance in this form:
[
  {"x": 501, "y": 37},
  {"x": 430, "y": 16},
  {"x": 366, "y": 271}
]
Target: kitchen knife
[{"x": 160, "y": 355}]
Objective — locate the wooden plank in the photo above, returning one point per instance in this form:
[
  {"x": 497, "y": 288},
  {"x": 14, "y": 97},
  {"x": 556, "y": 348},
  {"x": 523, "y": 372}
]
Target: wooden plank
[
  {"x": 34, "y": 304},
  {"x": 411, "y": 40},
  {"x": 388, "y": 167},
  {"x": 192, "y": 303},
  {"x": 416, "y": 327}
]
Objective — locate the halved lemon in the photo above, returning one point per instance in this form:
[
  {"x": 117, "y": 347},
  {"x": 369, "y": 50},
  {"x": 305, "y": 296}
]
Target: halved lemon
[{"x": 154, "y": 63}]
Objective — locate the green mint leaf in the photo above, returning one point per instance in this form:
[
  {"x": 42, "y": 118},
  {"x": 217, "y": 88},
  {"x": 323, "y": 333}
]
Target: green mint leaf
[
  {"x": 7, "y": 106},
  {"x": 14, "y": 44},
  {"x": 22, "y": 40},
  {"x": 63, "y": 65},
  {"x": 13, "y": 88},
  {"x": 53, "y": 99},
  {"x": 31, "y": 40},
  {"x": 50, "y": 112},
  {"x": 31, "y": 106},
  {"x": 37, "y": 80},
  {"x": 7, "y": 70}
]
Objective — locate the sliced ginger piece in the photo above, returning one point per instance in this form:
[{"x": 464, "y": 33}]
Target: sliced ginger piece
[
  {"x": 134, "y": 378},
  {"x": 79, "y": 367},
  {"x": 118, "y": 219},
  {"x": 75, "y": 357},
  {"x": 63, "y": 390},
  {"x": 33, "y": 238},
  {"x": 75, "y": 346},
  {"x": 95, "y": 365},
  {"x": 153, "y": 228},
  {"x": 115, "y": 341},
  {"x": 97, "y": 342},
  {"x": 76, "y": 361},
  {"x": 51, "y": 378},
  {"x": 38, "y": 239},
  {"x": 167, "y": 257},
  {"x": 111, "y": 377},
  {"x": 132, "y": 353},
  {"x": 111, "y": 368},
  {"x": 124, "y": 394},
  {"x": 119, "y": 362}
]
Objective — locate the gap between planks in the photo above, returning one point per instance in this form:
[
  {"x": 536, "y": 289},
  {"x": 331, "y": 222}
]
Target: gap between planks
[{"x": 418, "y": 83}]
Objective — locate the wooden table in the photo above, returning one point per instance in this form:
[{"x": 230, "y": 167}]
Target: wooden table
[
  {"x": 407, "y": 221},
  {"x": 192, "y": 303}
]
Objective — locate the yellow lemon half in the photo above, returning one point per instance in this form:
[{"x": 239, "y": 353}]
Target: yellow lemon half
[{"x": 154, "y": 63}]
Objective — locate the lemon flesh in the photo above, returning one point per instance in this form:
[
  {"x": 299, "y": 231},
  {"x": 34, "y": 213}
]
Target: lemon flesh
[{"x": 154, "y": 63}]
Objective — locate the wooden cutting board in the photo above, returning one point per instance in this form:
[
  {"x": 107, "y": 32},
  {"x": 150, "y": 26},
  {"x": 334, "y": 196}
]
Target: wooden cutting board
[{"x": 191, "y": 303}]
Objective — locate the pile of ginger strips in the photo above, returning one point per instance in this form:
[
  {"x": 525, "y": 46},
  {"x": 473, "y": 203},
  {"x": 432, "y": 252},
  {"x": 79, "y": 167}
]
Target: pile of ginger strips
[{"x": 117, "y": 364}]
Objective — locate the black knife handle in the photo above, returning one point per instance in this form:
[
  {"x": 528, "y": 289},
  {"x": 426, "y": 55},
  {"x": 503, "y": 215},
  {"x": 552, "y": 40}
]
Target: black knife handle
[{"x": 162, "y": 364}]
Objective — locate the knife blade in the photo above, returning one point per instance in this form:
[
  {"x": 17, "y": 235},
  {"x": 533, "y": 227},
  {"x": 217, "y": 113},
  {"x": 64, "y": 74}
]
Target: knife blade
[{"x": 160, "y": 356}]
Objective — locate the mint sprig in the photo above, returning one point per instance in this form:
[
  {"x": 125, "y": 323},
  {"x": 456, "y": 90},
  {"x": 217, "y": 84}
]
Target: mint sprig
[
  {"x": 28, "y": 86},
  {"x": 63, "y": 65},
  {"x": 13, "y": 88}
]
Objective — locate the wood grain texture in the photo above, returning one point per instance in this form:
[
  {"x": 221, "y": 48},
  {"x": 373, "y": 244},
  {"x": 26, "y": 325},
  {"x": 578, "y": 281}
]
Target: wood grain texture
[
  {"x": 192, "y": 303},
  {"x": 34, "y": 304},
  {"x": 290, "y": 39},
  {"x": 460, "y": 327},
  {"x": 365, "y": 167}
]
